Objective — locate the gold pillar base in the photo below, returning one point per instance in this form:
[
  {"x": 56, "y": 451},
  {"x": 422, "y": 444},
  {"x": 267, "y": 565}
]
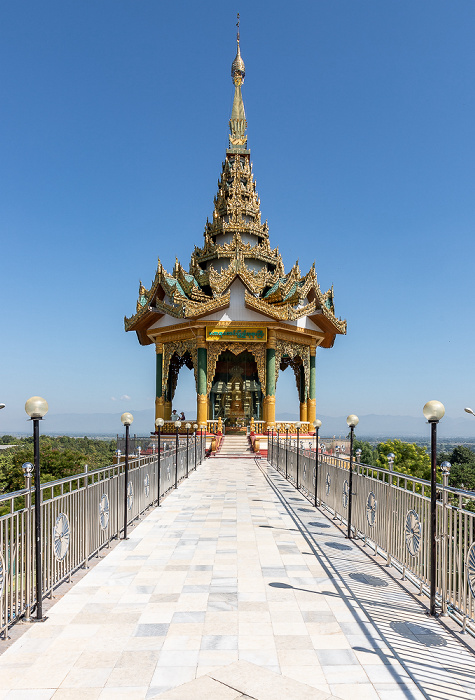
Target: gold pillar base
[
  {"x": 159, "y": 408},
  {"x": 311, "y": 411},
  {"x": 167, "y": 410},
  {"x": 202, "y": 410},
  {"x": 269, "y": 402},
  {"x": 303, "y": 412}
]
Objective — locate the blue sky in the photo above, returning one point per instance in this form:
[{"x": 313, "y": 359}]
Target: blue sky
[{"x": 114, "y": 126}]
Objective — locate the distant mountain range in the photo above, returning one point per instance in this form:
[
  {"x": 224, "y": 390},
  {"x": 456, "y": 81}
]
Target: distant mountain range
[{"x": 374, "y": 426}]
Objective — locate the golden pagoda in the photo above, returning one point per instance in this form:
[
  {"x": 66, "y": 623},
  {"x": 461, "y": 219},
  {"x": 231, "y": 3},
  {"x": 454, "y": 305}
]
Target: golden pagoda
[{"x": 235, "y": 317}]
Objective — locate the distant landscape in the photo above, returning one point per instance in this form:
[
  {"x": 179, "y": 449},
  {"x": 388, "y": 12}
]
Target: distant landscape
[{"x": 373, "y": 428}]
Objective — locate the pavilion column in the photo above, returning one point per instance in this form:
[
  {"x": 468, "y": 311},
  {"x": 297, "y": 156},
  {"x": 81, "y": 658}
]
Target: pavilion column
[
  {"x": 167, "y": 404},
  {"x": 303, "y": 396},
  {"x": 311, "y": 401},
  {"x": 159, "y": 403},
  {"x": 269, "y": 400},
  {"x": 202, "y": 387}
]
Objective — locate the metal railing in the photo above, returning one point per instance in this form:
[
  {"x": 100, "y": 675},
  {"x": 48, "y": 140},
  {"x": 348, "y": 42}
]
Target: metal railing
[
  {"x": 80, "y": 515},
  {"x": 391, "y": 513}
]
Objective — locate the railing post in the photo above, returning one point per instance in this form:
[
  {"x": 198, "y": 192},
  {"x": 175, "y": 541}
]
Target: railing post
[
  {"x": 316, "y": 467},
  {"x": 86, "y": 517},
  {"x": 298, "y": 456},
  {"x": 445, "y": 466},
  {"x": 187, "y": 440},
  {"x": 159, "y": 463},
  {"x": 27, "y": 469},
  {"x": 195, "y": 448},
  {"x": 177, "y": 442},
  {"x": 286, "y": 450}
]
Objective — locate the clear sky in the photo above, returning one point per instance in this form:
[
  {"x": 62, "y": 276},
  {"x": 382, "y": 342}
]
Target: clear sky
[{"x": 114, "y": 120}]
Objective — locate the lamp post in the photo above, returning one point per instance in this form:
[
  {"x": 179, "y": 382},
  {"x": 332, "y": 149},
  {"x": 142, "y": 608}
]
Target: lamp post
[
  {"x": 127, "y": 419},
  {"x": 352, "y": 421},
  {"x": 433, "y": 412},
  {"x": 195, "y": 428},
  {"x": 159, "y": 425},
  {"x": 36, "y": 408},
  {"x": 278, "y": 448},
  {"x": 187, "y": 426},
  {"x": 297, "y": 425},
  {"x": 317, "y": 424},
  {"x": 177, "y": 442},
  {"x": 201, "y": 444},
  {"x": 286, "y": 448}
]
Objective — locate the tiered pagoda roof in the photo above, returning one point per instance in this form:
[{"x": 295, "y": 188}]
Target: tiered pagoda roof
[{"x": 236, "y": 245}]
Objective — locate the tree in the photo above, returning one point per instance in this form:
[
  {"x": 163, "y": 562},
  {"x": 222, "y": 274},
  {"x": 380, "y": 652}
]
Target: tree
[
  {"x": 369, "y": 454},
  {"x": 408, "y": 458},
  {"x": 462, "y": 472}
]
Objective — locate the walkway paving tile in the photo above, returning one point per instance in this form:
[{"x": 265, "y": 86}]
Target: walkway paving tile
[{"x": 237, "y": 587}]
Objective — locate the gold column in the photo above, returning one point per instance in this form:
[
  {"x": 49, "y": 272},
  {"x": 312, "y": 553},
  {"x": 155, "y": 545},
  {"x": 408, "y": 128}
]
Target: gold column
[
  {"x": 303, "y": 411},
  {"x": 202, "y": 391},
  {"x": 311, "y": 401},
  {"x": 269, "y": 401},
  {"x": 167, "y": 410}
]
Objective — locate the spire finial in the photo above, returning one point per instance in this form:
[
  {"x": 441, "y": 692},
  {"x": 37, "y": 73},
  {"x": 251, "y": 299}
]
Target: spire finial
[
  {"x": 238, "y": 123},
  {"x": 238, "y": 70}
]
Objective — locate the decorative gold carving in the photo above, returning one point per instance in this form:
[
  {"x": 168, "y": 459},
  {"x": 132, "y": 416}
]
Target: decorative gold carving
[
  {"x": 293, "y": 350},
  {"x": 180, "y": 347},
  {"x": 257, "y": 349}
]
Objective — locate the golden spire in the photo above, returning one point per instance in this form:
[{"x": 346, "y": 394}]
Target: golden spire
[{"x": 238, "y": 123}]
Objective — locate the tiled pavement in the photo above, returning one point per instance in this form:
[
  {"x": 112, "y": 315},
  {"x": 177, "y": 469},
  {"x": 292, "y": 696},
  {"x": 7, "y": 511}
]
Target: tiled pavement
[{"x": 236, "y": 566}]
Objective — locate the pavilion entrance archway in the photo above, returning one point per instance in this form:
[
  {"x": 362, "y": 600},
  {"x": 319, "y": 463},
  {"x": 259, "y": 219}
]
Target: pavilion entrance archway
[{"x": 236, "y": 393}]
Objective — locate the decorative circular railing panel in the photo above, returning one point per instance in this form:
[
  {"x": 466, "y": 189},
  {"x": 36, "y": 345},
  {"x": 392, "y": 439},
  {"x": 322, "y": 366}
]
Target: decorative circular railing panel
[
  {"x": 2, "y": 573},
  {"x": 146, "y": 484},
  {"x": 413, "y": 533},
  {"x": 314, "y": 475},
  {"x": 471, "y": 569},
  {"x": 104, "y": 511},
  {"x": 168, "y": 473},
  {"x": 61, "y": 536},
  {"x": 130, "y": 496},
  {"x": 345, "y": 494},
  {"x": 371, "y": 506},
  {"x": 328, "y": 483}
]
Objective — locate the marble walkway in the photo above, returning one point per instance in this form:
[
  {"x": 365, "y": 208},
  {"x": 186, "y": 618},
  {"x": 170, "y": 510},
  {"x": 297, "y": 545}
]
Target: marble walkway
[{"x": 236, "y": 587}]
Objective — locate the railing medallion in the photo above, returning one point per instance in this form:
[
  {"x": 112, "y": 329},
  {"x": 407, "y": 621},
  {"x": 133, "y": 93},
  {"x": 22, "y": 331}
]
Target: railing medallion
[
  {"x": 371, "y": 506},
  {"x": 146, "y": 484},
  {"x": 413, "y": 532},
  {"x": 471, "y": 569},
  {"x": 104, "y": 511},
  {"x": 61, "y": 536},
  {"x": 328, "y": 482},
  {"x": 345, "y": 494},
  {"x": 2, "y": 573},
  {"x": 130, "y": 496}
]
